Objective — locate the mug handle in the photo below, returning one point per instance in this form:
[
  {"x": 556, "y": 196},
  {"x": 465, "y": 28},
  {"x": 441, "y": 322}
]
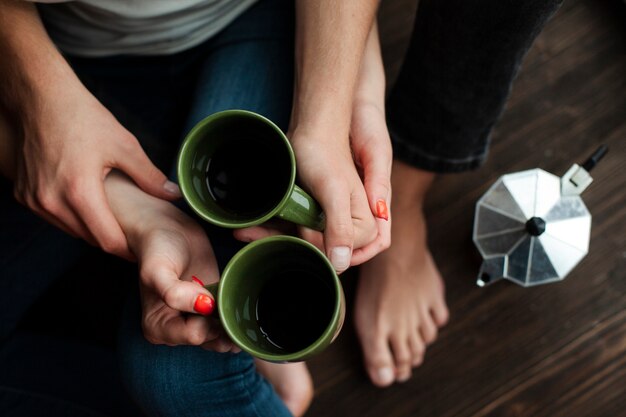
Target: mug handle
[{"x": 302, "y": 209}]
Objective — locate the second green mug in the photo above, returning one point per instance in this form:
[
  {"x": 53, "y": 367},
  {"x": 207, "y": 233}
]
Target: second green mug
[
  {"x": 237, "y": 169},
  {"x": 280, "y": 299}
]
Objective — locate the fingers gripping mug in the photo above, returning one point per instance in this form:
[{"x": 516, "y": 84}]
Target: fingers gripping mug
[
  {"x": 237, "y": 169},
  {"x": 280, "y": 299}
]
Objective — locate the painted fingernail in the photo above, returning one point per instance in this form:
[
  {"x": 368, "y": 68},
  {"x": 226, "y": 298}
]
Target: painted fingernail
[
  {"x": 381, "y": 209},
  {"x": 340, "y": 257},
  {"x": 204, "y": 305},
  {"x": 385, "y": 376},
  {"x": 197, "y": 280},
  {"x": 171, "y": 187}
]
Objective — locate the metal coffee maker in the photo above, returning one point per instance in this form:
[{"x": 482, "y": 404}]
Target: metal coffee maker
[{"x": 532, "y": 227}]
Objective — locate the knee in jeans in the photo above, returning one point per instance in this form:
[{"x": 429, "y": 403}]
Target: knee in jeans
[{"x": 174, "y": 380}]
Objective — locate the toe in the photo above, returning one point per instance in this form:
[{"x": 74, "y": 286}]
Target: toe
[
  {"x": 440, "y": 314},
  {"x": 418, "y": 348},
  {"x": 427, "y": 327},
  {"x": 379, "y": 361},
  {"x": 402, "y": 357}
]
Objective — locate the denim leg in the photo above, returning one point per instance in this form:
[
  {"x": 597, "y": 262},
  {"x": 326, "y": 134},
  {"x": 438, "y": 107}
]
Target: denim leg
[
  {"x": 457, "y": 75},
  {"x": 148, "y": 95},
  {"x": 33, "y": 255},
  {"x": 190, "y": 381},
  {"x": 248, "y": 66}
]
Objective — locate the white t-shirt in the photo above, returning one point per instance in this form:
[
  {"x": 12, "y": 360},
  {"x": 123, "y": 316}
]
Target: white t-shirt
[{"x": 135, "y": 27}]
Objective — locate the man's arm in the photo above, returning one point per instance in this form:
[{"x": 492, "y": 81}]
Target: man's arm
[
  {"x": 330, "y": 39},
  {"x": 66, "y": 140}
]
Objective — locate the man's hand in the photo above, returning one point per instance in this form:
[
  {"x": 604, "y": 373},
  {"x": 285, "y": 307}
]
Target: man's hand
[
  {"x": 350, "y": 177},
  {"x": 67, "y": 141},
  {"x": 67, "y": 149}
]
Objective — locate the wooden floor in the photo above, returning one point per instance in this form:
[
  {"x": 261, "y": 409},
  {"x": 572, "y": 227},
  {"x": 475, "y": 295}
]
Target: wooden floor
[{"x": 555, "y": 350}]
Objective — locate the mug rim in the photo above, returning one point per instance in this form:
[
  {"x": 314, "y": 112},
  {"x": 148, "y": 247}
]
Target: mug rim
[
  {"x": 184, "y": 180},
  {"x": 329, "y": 332}
]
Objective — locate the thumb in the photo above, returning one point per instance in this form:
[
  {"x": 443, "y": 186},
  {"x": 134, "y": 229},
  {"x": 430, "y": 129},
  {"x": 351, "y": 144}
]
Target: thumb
[
  {"x": 179, "y": 295},
  {"x": 136, "y": 164},
  {"x": 339, "y": 232}
]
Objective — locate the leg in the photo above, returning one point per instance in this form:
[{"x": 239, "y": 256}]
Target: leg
[
  {"x": 251, "y": 68},
  {"x": 41, "y": 374},
  {"x": 400, "y": 300},
  {"x": 456, "y": 78},
  {"x": 190, "y": 381},
  {"x": 185, "y": 379},
  {"x": 33, "y": 254},
  {"x": 247, "y": 66},
  {"x": 453, "y": 85},
  {"x": 149, "y": 96}
]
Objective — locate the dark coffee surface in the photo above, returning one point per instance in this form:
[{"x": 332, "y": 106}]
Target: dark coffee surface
[
  {"x": 294, "y": 309},
  {"x": 248, "y": 176}
]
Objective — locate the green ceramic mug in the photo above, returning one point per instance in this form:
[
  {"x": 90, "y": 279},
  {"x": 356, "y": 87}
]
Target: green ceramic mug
[
  {"x": 280, "y": 299},
  {"x": 237, "y": 169}
]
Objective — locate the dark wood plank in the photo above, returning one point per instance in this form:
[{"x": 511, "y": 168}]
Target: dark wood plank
[{"x": 555, "y": 350}]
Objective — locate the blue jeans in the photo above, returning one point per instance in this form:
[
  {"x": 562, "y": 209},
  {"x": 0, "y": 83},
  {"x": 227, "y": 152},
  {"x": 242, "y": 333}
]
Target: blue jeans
[{"x": 249, "y": 65}]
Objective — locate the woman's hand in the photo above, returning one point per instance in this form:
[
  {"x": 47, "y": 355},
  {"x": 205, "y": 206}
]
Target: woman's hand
[
  {"x": 173, "y": 306},
  {"x": 171, "y": 249},
  {"x": 371, "y": 148},
  {"x": 371, "y": 145}
]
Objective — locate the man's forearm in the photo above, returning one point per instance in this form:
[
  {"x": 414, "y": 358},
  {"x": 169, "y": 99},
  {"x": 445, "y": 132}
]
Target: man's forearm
[
  {"x": 31, "y": 65},
  {"x": 330, "y": 39}
]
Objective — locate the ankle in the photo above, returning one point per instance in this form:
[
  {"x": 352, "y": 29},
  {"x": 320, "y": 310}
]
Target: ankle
[{"x": 409, "y": 185}]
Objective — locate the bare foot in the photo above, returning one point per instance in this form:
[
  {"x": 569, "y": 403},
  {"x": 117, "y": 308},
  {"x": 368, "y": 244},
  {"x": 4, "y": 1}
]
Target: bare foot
[
  {"x": 400, "y": 301},
  {"x": 292, "y": 382}
]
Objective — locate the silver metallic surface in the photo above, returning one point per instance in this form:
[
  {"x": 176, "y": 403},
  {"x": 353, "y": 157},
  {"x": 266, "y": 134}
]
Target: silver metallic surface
[{"x": 509, "y": 250}]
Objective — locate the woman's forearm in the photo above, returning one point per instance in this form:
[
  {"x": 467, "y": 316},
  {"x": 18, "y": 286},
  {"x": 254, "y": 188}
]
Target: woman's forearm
[
  {"x": 330, "y": 38},
  {"x": 370, "y": 88}
]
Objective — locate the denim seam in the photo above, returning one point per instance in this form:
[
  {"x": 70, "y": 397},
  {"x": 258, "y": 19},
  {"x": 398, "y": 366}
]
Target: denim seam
[
  {"x": 242, "y": 381},
  {"x": 411, "y": 147},
  {"x": 437, "y": 167}
]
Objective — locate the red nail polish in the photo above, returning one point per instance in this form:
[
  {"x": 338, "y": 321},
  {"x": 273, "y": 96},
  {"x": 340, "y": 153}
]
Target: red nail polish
[
  {"x": 197, "y": 280},
  {"x": 381, "y": 210},
  {"x": 204, "y": 305}
]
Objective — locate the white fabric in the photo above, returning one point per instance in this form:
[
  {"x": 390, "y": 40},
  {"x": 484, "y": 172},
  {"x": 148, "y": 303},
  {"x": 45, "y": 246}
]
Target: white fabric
[{"x": 135, "y": 27}]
